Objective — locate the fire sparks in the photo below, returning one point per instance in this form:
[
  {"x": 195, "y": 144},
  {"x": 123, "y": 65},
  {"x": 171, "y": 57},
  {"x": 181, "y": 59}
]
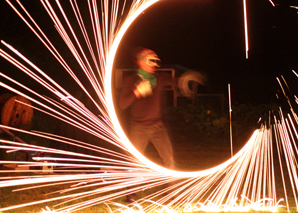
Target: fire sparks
[{"x": 249, "y": 174}]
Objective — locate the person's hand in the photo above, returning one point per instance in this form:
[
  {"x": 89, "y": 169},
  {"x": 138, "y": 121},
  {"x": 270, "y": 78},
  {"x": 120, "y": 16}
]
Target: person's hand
[
  {"x": 143, "y": 88},
  {"x": 190, "y": 76}
]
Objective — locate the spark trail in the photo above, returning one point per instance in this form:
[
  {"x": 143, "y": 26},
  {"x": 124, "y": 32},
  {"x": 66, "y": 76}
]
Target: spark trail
[{"x": 246, "y": 181}]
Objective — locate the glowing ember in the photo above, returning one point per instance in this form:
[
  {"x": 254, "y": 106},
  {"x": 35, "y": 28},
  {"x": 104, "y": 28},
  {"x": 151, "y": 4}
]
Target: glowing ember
[{"x": 47, "y": 210}]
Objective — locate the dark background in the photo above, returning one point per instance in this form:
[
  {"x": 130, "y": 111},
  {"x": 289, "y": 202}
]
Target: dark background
[
  {"x": 204, "y": 35},
  {"x": 208, "y": 36}
]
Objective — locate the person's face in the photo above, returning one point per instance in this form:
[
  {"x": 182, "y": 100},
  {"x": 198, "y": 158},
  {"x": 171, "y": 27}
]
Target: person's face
[
  {"x": 149, "y": 63},
  {"x": 146, "y": 67}
]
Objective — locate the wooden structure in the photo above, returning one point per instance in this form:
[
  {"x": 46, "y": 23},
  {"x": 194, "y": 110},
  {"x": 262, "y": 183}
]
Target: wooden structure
[
  {"x": 16, "y": 111},
  {"x": 119, "y": 75}
]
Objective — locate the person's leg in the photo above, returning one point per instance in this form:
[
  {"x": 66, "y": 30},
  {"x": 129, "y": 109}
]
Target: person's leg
[
  {"x": 139, "y": 137},
  {"x": 161, "y": 141}
]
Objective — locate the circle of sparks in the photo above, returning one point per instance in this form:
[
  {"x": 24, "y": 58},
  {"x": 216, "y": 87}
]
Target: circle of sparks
[
  {"x": 114, "y": 118},
  {"x": 249, "y": 173}
]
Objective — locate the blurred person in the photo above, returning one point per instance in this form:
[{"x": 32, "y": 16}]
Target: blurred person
[{"x": 141, "y": 95}]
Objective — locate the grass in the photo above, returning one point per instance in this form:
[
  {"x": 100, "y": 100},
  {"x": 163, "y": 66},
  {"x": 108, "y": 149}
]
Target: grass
[
  {"x": 197, "y": 155},
  {"x": 197, "y": 145},
  {"x": 10, "y": 198}
]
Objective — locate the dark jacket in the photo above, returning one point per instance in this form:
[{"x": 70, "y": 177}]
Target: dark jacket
[{"x": 143, "y": 111}]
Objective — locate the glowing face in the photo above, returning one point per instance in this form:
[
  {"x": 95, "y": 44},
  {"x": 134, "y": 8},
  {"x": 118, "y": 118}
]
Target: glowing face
[
  {"x": 147, "y": 67},
  {"x": 148, "y": 60},
  {"x": 153, "y": 61}
]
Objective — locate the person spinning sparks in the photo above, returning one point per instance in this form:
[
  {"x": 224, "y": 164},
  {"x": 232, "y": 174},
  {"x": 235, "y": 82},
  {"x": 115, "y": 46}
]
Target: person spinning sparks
[{"x": 141, "y": 94}]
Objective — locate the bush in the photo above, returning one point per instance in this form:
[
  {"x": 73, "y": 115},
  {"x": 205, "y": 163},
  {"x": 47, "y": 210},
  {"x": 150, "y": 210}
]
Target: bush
[{"x": 204, "y": 120}]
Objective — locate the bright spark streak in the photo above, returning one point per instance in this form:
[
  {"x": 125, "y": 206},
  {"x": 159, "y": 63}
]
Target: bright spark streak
[
  {"x": 114, "y": 118},
  {"x": 272, "y": 3},
  {"x": 249, "y": 173},
  {"x": 245, "y": 28}
]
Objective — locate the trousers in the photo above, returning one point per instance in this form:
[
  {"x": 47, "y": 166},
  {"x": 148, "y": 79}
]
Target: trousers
[{"x": 141, "y": 135}]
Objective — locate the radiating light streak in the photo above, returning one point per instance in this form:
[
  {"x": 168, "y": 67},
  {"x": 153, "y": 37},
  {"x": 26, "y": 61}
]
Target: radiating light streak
[
  {"x": 70, "y": 142},
  {"x": 125, "y": 189},
  {"x": 77, "y": 177},
  {"x": 290, "y": 159},
  {"x": 108, "y": 161},
  {"x": 48, "y": 185},
  {"x": 217, "y": 187},
  {"x": 84, "y": 63},
  {"x": 48, "y": 210},
  {"x": 277, "y": 130},
  {"x": 68, "y": 119},
  {"x": 109, "y": 96},
  {"x": 272, "y": 3},
  {"x": 77, "y": 13},
  {"x": 112, "y": 112},
  {"x": 102, "y": 166},
  {"x": 230, "y": 113},
  {"x": 193, "y": 180},
  {"x": 108, "y": 86},
  {"x": 245, "y": 29},
  {"x": 54, "y": 51},
  {"x": 199, "y": 207}
]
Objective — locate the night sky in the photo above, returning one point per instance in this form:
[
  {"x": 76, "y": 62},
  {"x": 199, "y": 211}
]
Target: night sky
[
  {"x": 208, "y": 36},
  {"x": 202, "y": 35}
]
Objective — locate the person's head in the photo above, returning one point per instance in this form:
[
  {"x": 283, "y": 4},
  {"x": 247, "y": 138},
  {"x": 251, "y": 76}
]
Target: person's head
[{"x": 147, "y": 60}]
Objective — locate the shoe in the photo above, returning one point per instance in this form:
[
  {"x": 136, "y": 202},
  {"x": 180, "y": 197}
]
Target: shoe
[{"x": 131, "y": 198}]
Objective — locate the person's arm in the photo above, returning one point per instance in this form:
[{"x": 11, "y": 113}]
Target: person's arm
[
  {"x": 133, "y": 90},
  {"x": 137, "y": 93},
  {"x": 128, "y": 94}
]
